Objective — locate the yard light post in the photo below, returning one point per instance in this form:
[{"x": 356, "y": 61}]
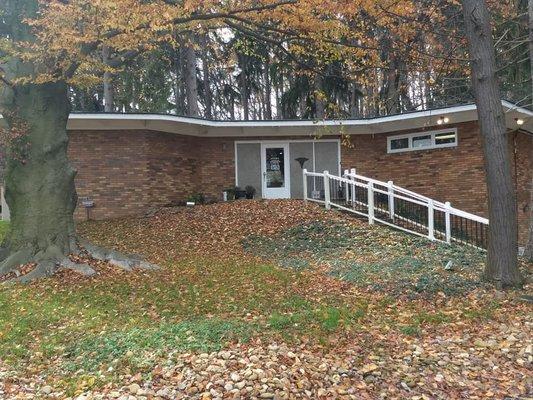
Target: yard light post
[{"x": 87, "y": 203}]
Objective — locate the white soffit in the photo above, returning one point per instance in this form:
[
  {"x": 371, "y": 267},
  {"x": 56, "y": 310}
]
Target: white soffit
[{"x": 206, "y": 128}]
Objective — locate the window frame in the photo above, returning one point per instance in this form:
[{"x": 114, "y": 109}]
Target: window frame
[{"x": 412, "y": 135}]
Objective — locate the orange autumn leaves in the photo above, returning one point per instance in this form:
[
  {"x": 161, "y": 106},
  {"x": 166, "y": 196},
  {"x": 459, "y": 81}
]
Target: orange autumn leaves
[{"x": 69, "y": 35}]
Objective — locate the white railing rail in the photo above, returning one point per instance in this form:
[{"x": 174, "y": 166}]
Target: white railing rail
[{"x": 392, "y": 205}]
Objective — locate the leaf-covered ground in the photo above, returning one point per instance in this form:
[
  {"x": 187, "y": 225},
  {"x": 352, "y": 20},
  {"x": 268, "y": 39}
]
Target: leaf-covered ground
[{"x": 265, "y": 299}]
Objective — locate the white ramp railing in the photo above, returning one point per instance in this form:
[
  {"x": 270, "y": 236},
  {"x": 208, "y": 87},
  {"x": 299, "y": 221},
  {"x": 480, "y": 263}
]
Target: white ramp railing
[{"x": 392, "y": 205}]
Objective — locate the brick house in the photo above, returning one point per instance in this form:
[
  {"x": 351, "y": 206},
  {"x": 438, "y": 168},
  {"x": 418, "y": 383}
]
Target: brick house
[{"x": 130, "y": 163}]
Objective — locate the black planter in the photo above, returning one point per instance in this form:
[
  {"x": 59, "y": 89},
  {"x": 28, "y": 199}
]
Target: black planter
[
  {"x": 249, "y": 196},
  {"x": 240, "y": 194}
]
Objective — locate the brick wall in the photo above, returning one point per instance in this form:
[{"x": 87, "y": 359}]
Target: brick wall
[
  {"x": 523, "y": 162},
  {"x": 128, "y": 172},
  {"x": 454, "y": 174},
  {"x": 112, "y": 171}
]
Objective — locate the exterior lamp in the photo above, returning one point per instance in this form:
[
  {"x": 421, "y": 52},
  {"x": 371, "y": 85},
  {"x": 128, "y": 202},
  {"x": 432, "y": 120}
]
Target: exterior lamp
[
  {"x": 301, "y": 161},
  {"x": 519, "y": 121},
  {"x": 443, "y": 120}
]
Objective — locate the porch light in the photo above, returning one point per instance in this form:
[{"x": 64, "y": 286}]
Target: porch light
[
  {"x": 443, "y": 120},
  {"x": 519, "y": 121},
  {"x": 301, "y": 161}
]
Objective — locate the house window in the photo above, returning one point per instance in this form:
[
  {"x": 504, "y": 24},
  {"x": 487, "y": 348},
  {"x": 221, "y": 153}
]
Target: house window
[
  {"x": 399, "y": 144},
  {"x": 422, "y": 141}
]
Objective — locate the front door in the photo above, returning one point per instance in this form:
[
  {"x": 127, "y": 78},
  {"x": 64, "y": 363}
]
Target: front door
[{"x": 275, "y": 170}]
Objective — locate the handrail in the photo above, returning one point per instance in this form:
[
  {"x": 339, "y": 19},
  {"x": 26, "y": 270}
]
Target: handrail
[
  {"x": 403, "y": 209},
  {"x": 437, "y": 204}
]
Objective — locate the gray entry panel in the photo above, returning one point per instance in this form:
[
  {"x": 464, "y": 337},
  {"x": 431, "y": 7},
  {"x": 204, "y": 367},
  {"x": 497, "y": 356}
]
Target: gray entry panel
[
  {"x": 249, "y": 166},
  {"x": 327, "y": 157}
]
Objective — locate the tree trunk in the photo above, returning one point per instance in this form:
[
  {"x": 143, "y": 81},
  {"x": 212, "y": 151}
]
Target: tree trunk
[
  {"x": 528, "y": 253},
  {"x": 502, "y": 264},
  {"x": 40, "y": 189},
  {"x": 320, "y": 104},
  {"x": 178, "y": 82},
  {"x": 245, "y": 96},
  {"x": 392, "y": 94},
  {"x": 109, "y": 101},
  {"x": 268, "y": 89},
  {"x": 354, "y": 109},
  {"x": 208, "y": 113},
  {"x": 191, "y": 83}
]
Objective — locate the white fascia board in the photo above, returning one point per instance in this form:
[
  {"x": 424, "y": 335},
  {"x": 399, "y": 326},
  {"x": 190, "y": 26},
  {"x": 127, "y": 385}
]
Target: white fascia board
[
  {"x": 513, "y": 107},
  {"x": 201, "y": 127},
  {"x": 273, "y": 123}
]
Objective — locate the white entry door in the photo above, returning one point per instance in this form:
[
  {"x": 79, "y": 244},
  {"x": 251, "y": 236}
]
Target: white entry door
[{"x": 275, "y": 170}]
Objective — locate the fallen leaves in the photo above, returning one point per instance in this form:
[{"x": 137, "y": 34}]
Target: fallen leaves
[{"x": 117, "y": 333}]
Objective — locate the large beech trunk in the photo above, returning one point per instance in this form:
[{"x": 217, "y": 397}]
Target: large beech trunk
[
  {"x": 39, "y": 179},
  {"x": 502, "y": 263}
]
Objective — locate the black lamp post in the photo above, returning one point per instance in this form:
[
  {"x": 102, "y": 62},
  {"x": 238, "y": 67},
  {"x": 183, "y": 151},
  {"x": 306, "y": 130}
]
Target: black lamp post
[{"x": 302, "y": 161}]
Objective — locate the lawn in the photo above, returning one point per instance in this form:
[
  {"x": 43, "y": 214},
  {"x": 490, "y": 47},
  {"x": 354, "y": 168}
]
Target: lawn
[{"x": 267, "y": 300}]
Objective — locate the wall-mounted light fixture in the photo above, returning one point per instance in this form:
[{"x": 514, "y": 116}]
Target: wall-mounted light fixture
[
  {"x": 443, "y": 120},
  {"x": 519, "y": 121}
]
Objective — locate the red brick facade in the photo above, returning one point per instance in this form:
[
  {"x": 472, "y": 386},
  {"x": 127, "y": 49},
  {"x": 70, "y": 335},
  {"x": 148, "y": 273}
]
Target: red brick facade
[
  {"x": 129, "y": 172},
  {"x": 454, "y": 174}
]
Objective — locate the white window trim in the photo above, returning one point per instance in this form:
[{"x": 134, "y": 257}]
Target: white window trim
[{"x": 410, "y": 136}]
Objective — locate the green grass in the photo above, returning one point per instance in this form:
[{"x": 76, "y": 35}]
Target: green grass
[
  {"x": 138, "y": 346},
  {"x": 4, "y": 226},
  {"x": 192, "y": 305}
]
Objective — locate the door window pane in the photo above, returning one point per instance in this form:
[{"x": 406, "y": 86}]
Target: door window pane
[
  {"x": 275, "y": 167},
  {"x": 421, "y": 141}
]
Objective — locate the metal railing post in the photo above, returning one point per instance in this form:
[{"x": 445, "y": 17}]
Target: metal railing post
[
  {"x": 370, "y": 203},
  {"x": 447, "y": 219},
  {"x": 304, "y": 185},
  {"x": 431, "y": 220},
  {"x": 352, "y": 171},
  {"x": 347, "y": 186},
  {"x": 327, "y": 195},
  {"x": 390, "y": 187}
]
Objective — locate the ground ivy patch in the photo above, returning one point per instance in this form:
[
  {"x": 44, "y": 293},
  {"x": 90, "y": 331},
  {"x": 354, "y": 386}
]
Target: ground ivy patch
[{"x": 377, "y": 258}]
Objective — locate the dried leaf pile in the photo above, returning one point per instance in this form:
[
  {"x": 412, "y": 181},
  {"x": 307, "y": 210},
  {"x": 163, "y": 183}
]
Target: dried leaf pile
[{"x": 267, "y": 299}]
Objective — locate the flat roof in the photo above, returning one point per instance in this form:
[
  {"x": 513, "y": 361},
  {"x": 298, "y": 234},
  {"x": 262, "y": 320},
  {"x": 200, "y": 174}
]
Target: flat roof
[{"x": 272, "y": 128}]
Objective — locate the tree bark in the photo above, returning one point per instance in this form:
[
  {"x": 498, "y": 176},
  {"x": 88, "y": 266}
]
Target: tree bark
[
  {"x": 208, "y": 95},
  {"x": 40, "y": 189},
  {"x": 109, "y": 93},
  {"x": 528, "y": 253},
  {"x": 268, "y": 88},
  {"x": 354, "y": 100},
  {"x": 502, "y": 263},
  {"x": 245, "y": 96},
  {"x": 39, "y": 180},
  {"x": 191, "y": 83}
]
